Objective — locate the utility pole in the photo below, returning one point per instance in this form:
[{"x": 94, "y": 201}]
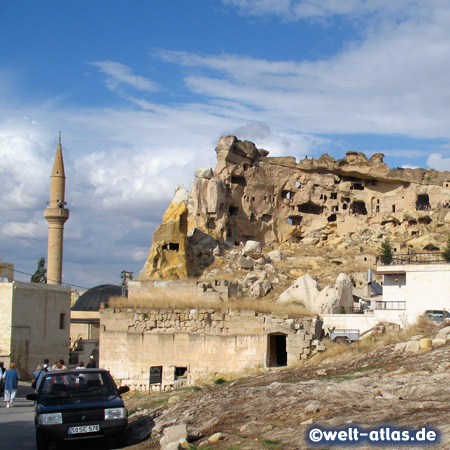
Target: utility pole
[{"x": 126, "y": 276}]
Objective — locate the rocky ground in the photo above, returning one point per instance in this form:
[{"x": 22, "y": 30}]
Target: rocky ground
[
  {"x": 269, "y": 273},
  {"x": 275, "y": 410}
]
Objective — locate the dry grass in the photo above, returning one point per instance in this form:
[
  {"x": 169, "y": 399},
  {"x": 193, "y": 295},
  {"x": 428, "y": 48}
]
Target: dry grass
[
  {"x": 262, "y": 306},
  {"x": 423, "y": 327}
]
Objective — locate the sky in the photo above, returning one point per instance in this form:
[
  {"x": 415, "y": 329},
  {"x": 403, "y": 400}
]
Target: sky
[{"x": 142, "y": 91}]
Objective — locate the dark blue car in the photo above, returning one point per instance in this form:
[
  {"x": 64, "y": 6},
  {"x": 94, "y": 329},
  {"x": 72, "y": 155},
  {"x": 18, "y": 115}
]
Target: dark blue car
[{"x": 79, "y": 404}]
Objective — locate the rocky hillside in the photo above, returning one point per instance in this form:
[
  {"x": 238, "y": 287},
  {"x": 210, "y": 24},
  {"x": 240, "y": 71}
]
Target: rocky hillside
[{"x": 274, "y": 410}]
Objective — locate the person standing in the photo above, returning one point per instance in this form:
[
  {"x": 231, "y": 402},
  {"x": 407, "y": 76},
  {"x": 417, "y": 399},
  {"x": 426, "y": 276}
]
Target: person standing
[
  {"x": 11, "y": 382},
  {"x": 37, "y": 377},
  {"x": 91, "y": 363}
]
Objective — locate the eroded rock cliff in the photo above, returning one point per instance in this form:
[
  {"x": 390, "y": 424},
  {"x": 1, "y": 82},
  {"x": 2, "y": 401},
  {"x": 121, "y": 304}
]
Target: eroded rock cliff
[{"x": 350, "y": 203}]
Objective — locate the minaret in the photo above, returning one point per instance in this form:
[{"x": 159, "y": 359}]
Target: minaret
[{"x": 56, "y": 215}]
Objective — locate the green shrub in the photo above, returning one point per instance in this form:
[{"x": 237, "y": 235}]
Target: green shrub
[{"x": 387, "y": 254}]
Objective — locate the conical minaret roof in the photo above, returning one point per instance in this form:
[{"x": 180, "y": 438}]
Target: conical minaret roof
[{"x": 58, "y": 165}]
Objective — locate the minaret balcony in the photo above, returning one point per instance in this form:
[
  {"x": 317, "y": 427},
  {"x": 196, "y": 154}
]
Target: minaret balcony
[{"x": 56, "y": 214}]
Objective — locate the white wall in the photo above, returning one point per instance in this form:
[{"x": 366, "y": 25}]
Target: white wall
[
  {"x": 5, "y": 321},
  {"x": 422, "y": 286}
]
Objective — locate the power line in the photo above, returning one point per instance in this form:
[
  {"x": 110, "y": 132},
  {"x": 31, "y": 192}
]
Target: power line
[
  {"x": 29, "y": 274},
  {"x": 69, "y": 255}
]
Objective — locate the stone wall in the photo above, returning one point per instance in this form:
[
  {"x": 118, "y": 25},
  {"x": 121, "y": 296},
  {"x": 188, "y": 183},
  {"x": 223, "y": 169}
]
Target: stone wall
[
  {"x": 189, "y": 290},
  {"x": 205, "y": 342}
]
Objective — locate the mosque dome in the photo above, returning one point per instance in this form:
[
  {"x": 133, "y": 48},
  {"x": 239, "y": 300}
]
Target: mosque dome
[{"x": 92, "y": 298}]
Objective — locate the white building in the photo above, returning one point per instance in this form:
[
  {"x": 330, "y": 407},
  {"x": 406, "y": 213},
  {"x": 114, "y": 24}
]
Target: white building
[
  {"x": 412, "y": 284},
  {"x": 409, "y": 289}
]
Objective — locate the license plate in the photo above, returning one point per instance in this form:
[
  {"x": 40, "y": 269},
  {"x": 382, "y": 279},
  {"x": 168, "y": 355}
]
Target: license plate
[{"x": 84, "y": 429}]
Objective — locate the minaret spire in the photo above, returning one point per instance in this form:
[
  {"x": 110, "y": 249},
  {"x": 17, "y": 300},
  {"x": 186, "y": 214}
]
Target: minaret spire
[{"x": 56, "y": 215}]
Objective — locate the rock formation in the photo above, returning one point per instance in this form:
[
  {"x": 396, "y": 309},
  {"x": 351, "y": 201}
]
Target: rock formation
[
  {"x": 249, "y": 196},
  {"x": 331, "y": 299},
  {"x": 170, "y": 254}
]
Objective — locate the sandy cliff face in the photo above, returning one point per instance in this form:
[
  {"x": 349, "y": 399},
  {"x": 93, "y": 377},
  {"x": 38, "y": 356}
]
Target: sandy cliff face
[
  {"x": 273, "y": 200},
  {"x": 321, "y": 202}
]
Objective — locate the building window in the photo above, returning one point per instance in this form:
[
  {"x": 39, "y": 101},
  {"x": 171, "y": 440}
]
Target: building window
[
  {"x": 391, "y": 305},
  {"x": 180, "y": 372},
  {"x": 62, "y": 321}
]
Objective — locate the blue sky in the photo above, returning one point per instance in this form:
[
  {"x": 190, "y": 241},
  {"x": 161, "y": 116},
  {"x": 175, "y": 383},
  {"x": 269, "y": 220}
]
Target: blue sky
[{"x": 142, "y": 90}]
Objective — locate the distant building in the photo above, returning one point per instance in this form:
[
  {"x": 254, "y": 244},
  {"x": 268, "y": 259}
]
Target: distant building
[
  {"x": 34, "y": 324},
  {"x": 412, "y": 284},
  {"x": 85, "y": 322}
]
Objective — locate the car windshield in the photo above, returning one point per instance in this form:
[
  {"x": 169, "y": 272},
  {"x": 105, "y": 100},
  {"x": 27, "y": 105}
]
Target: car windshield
[{"x": 76, "y": 384}]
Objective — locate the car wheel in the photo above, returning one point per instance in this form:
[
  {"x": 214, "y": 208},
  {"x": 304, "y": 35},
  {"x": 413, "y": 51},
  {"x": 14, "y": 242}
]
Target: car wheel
[
  {"x": 41, "y": 443},
  {"x": 342, "y": 340}
]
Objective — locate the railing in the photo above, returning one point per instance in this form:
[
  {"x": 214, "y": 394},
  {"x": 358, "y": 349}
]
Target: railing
[
  {"x": 415, "y": 258},
  {"x": 390, "y": 305},
  {"x": 346, "y": 310}
]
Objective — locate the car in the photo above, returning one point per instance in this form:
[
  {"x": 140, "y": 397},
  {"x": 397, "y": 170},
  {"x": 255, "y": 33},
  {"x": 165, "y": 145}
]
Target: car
[
  {"x": 79, "y": 404},
  {"x": 344, "y": 335},
  {"x": 437, "y": 315}
]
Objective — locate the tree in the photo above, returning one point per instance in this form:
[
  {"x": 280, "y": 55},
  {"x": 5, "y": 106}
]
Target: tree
[
  {"x": 40, "y": 276},
  {"x": 387, "y": 255},
  {"x": 446, "y": 252}
]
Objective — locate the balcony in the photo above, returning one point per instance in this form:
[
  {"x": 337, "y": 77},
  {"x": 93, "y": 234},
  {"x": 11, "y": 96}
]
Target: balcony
[{"x": 415, "y": 258}]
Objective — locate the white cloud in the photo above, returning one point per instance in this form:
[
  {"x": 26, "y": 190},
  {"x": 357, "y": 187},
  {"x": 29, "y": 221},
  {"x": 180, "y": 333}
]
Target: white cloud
[
  {"x": 395, "y": 81},
  {"x": 437, "y": 162},
  {"x": 300, "y": 9},
  {"x": 21, "y": 161},
  {"x": 123, "y": 165},
  {"x": 119, "y": 74}
]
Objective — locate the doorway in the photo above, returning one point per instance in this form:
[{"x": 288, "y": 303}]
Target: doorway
[{"x": 277, "y": 352}]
